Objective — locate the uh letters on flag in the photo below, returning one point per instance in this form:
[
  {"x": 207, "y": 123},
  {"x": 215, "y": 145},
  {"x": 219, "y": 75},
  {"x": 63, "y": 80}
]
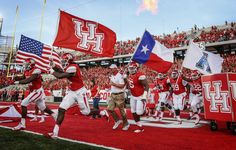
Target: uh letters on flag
[
  {"x": 41, "y": 53},
  {"x": 203, "y": 61},
  {"x": 152, "y": 54},
  {"x": 84, "y": 35}
]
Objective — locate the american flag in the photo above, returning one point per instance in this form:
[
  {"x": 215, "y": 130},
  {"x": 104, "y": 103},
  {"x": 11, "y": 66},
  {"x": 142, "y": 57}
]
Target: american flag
[{"x": 41, "y": 53}]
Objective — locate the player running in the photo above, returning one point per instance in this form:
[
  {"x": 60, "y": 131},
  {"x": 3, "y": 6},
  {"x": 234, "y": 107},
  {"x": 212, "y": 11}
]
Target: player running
[
  {"x": 76, "y": 93},
  {"x": 32, "y": 75}
]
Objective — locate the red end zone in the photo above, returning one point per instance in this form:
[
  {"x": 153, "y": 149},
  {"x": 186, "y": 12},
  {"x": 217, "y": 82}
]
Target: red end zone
[{"x": 99, "y": 131}]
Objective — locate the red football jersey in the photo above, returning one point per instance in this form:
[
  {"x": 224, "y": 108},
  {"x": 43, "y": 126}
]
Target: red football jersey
[
  {"x": 196, "y": 86},
  {"x": 162, "y": 85},
  {"x": 36, "y": 83},
  {"x": 178, "y": 87},
  {"x": 135, "y": 87},
  {"x": 76, "y": 81}
]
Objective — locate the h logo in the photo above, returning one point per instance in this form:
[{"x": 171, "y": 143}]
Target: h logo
[
  {"x": 216, "y": 97},
  {"x": 203, "y": 62},
  {"x": 90, "y": 40},
  {"x": 233, "y": 89}
]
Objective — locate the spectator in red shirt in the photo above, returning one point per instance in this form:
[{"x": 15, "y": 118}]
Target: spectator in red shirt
[{"x": 95, "y": 96}]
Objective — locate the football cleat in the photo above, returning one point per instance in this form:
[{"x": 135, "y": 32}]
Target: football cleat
[
  {"x": 51, "y": 135},
  {"x": 19, "y": 127},
  {"x": 42, "y": 120},
  {"x": 116, "y": 124},
  {"x": 140, "y": 129},
  {"x": 125, "y": 128},
  {"x": 34, "y": 119}
]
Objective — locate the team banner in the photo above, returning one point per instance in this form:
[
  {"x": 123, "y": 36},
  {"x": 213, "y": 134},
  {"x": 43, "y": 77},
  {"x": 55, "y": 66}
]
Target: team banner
[
  {"x": 203, "y": 61},
  {"x": 219, "y": 94},
  {"x": 152, "y": 54},
  {"x": 83, "y": 35}
]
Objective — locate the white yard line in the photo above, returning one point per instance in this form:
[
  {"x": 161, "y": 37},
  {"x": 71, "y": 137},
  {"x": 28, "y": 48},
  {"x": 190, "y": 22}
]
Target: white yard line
[{"x": 66, "y": 139}]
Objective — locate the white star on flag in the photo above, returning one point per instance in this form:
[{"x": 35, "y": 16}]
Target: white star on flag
[{"x": 145, "y": 49}]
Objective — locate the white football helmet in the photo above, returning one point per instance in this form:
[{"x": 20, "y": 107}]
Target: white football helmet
[
  {"x": 66, "y": 59},
  {"x": 133, "y": 67},
  {"x": 195, "y": 75}
]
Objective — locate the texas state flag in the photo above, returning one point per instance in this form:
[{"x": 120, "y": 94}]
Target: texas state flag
[{"x": 152, "y": 54}]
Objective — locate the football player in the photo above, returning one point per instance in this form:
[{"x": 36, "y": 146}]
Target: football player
[
  {"x": 163, "y": 85},
  {"x": 195, "y": 96},
  {"x": 32, "y": 75},
  {"x": 139, "y": 87},
  {"x": 178, "y": 92},
  {"x": 76, "y": 93}
]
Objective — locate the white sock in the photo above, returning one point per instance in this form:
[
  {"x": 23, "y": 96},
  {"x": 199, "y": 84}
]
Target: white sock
[
  {"x": 56, "y": 129},
  {"x": 155, "y": 114},
  {"x": 190, "y": 114},
  {"x": 162, "y": 113},
  {"x": 178, "y": 117},
  {"x": 22, "y": 121}
]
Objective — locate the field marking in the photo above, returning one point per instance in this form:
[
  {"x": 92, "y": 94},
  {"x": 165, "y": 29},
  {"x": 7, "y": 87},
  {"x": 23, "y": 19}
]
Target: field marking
[
  {"x": 169, "y": 123},
  {"x": 6, "y": 121},
  {"x": 66, "y": 139}
]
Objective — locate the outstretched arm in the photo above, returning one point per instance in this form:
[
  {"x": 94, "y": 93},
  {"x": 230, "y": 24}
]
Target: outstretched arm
[
  {"x": 28, "y": 80},
  {"x": 61, "y": 75}
]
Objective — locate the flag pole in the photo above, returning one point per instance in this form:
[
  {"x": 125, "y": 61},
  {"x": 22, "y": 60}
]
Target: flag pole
[
  {"x": 136, "y": 48},
  {"x": 181, "y": 68},
  {"x": 42, "y": 16},
  {"x": 13, "y": 39},
  {"x": 58, "y": 18}
]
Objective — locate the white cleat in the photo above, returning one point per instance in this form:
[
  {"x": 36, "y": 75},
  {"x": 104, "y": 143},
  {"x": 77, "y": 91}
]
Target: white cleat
[
  {"x": 116, "y": 124},
  {"x": 125, "y": 128},
  {"x": 139, "y": 130},
  {"x": 51, "y": 135},
  {"x": 42, "y": 120},
  {"x": 34, "y": 119},
  {"x": 19, "y": 127}
]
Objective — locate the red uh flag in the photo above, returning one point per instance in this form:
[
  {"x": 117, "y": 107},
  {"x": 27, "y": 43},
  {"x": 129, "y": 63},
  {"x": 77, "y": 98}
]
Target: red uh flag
[{"x": 85, "y": 36}]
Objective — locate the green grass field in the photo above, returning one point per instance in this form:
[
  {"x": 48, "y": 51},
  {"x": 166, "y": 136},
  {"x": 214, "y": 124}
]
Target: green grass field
[{"x": 11, "y": 140}]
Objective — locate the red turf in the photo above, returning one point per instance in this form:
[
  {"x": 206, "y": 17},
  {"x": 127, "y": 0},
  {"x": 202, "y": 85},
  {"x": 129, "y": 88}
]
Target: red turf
[{"x": 99, "y": 131}]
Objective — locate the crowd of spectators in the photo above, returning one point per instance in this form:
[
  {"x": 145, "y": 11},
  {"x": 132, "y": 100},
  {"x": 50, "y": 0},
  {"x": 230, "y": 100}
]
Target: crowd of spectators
[
  {"x": 4, "y": 81},
  {"x": 229, "y": 64},
  {"x": 101, "y": 74},
  {"x": 178, "y": 39}
]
